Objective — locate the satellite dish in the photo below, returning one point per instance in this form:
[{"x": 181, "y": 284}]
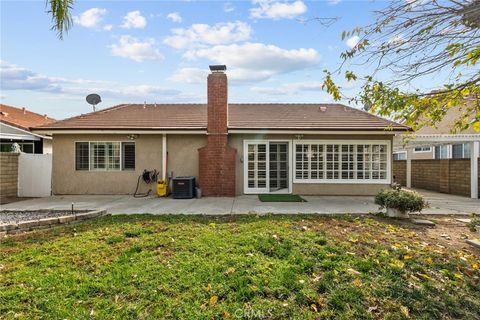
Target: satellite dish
[{"x": 94, "y": 99}]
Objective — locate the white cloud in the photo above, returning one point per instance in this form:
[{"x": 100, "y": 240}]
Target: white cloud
[
  {"x": 190, "y": 75},
  {"x": 18, "y": 78},
  {"x": 273, "y": 9},
  {"x": 352, "y": 41},
  {"x": 257, "y": 61},
  {"x": 228, "y": 7},
  {"x": 13, "y": 77},
  {"x": 175, "y": 17},
  {"x": 134, "y": 20},
  {"x": 90, "y": 18},
  {"x": 334, "y": 2},
  {"x": 135, "y": 49},
  {"x": 290, "y": 88},
  {"x": 108, "y": 27},
  {"x": 199, "y": 35}
]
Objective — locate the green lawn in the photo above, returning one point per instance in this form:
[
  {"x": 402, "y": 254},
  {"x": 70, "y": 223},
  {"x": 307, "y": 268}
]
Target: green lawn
[{"x": 273, "y": 267}]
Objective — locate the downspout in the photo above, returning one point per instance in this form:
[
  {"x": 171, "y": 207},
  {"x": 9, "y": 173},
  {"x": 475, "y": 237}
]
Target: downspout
[{"x": 164, "y": 157}]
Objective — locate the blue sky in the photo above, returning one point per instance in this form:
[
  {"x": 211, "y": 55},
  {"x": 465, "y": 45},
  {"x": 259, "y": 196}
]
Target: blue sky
[{"x": 157, "y": 51}]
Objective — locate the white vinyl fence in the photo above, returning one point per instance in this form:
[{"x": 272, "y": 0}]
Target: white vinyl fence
[{"x": 34, "y": 175}]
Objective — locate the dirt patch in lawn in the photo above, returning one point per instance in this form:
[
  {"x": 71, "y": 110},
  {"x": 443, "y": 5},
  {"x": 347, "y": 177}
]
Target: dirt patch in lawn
[{"x": 448, "y": 232}]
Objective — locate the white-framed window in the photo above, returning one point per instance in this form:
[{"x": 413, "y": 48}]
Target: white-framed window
[
  {"x": 422, "y": 149},
  {"x": 104, "y": 156},
  {"x": 345, "y": 162},
  {"x": 443, "y": 152},
  {"x": 400, "y": 155},
  {"x": 461, "y": 151}
]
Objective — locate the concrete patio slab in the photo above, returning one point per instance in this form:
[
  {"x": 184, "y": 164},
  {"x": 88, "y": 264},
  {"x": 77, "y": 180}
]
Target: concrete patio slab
[
  {"x": 126, "y": 204},
  {"x": 314, "y": 204},
  {"x": 442, "y": 203}
]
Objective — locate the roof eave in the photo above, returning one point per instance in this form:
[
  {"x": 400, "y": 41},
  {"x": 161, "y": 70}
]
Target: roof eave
[
  {"x": 383, "y": 129},
  {"x": 51, "y": 131}
]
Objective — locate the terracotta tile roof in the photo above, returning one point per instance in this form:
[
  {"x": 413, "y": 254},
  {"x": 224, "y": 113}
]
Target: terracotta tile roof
[
  {"x": 139, "y": 116},
  {"x": 22, "y": 118},
  {"x": 241, "y": 116},
  {"x": 305, "y": 116}
]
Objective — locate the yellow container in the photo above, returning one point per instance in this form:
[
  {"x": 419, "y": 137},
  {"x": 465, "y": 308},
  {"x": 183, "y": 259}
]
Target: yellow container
[{"x": 162, "y": 188}]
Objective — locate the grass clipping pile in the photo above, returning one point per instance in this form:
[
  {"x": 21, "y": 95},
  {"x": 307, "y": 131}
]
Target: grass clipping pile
[{"x": 271, "y": 267}]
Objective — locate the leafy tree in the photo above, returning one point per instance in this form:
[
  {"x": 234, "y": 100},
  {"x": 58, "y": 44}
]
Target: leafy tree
[
  {"x": 61, "y": 17},
  {"x": 415, "y": 41}
]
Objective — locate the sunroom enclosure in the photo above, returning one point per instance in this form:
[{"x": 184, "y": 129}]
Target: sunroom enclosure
[{"x": 272, "y": 166}]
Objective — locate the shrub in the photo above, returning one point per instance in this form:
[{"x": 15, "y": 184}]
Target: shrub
[
  {"x": 405, "y": 201},
  {"x": 474, "y": 223}
]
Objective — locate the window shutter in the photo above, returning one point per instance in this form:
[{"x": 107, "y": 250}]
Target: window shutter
[
  {"x": 81, "y": 156},
  {"x": 128, "y": 155}
]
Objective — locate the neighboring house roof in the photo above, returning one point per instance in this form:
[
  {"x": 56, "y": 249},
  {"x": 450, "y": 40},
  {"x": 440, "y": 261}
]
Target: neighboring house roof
[
  {"x": 240, "y": 116},
  {"x": 22, "y": 118},
  {"x": 448, "y": 121}
]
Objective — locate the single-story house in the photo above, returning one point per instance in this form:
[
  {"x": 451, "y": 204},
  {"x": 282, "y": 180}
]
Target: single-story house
[
  {"x": 15, "y": 124},
  {"x": 232, "y": 149}
]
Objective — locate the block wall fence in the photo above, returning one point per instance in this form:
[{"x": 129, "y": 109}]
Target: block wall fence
[
  {"x": 450, "y": 176},
  {"x": 8, "y": 175}
]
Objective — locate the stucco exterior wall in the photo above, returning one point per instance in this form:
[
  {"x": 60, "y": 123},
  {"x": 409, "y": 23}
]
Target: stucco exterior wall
[
  {"x": 66, "y": 180},
  {"x": 236, "y": 141},
  {"x": 338, "y": 189},
  {"x": 182, "y": 151},
  {"x": 182, "y": 160}
]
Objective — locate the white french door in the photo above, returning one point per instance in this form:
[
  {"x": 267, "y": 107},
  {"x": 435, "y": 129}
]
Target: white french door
[
  {"x": 256, "y": 167},
  {"x": 267, "y": 166}
]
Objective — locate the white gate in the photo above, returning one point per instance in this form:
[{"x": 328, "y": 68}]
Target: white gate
[{"x": 34, "y": 175}]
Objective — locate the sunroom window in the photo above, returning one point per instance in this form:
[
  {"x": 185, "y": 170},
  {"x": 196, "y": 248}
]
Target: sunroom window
[{"x": 343, "y": 162}]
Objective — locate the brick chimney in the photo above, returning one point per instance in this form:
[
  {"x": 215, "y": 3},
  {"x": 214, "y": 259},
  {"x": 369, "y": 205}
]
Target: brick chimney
[{"x": 217, "y": 158}]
